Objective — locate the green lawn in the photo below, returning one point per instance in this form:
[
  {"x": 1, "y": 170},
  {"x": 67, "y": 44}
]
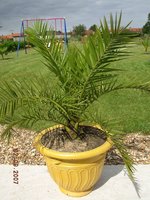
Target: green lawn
[
  {"x": 23, "y": 66},
  {"x": 130, "y": 108}
]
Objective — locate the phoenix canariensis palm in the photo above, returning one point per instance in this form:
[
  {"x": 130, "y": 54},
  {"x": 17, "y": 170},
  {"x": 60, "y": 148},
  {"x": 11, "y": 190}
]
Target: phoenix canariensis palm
[{"x": 83, "y": 75}]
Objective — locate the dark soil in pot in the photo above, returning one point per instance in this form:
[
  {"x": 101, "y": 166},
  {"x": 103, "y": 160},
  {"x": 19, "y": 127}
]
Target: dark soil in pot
[{"x": 57, "y": 140}]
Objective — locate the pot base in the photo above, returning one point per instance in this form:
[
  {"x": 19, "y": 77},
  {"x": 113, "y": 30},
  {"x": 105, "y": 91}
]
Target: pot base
[{"x": 75, "y": 194}]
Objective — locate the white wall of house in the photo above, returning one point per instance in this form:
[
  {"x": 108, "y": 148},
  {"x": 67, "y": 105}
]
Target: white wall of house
[{"x": 16, "y": 39}]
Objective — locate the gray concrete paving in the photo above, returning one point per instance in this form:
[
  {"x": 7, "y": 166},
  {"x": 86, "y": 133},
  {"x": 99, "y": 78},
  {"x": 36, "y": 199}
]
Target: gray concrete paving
[{"x": 36, "y": 184}]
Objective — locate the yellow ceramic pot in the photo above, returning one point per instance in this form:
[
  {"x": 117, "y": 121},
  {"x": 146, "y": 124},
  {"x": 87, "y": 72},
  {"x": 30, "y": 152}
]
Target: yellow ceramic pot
[{"x": 75, "y": 173}]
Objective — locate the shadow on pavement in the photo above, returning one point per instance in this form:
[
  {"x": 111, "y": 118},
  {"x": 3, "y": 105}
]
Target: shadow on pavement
[{"x": 108, "y": 172}]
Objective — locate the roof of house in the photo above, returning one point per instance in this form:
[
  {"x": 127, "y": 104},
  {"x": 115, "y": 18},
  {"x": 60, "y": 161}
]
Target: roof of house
[
  {"x": 135, "y": 29},
  {"x": 10, "y": 36}
]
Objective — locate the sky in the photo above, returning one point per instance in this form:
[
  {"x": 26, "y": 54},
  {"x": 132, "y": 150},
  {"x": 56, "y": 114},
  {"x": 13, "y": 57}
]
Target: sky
[{"x": 87, "y": 12}]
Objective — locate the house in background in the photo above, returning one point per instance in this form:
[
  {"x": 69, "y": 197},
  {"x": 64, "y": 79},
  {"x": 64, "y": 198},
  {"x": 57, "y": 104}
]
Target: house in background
[
  {"x": 12, "y": 37},
  {"x": 135, "y": 30}
]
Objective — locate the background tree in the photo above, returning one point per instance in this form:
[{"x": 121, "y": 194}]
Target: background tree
[
  {"x": 93, "y": 27},
  {"x": 146, "y": 27},
  {"x": 79, "y": 30}
]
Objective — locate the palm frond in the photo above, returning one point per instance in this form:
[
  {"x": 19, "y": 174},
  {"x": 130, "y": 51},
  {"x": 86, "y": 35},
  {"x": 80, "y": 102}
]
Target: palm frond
[
  {"x": 15, "y": 95},
  {"x": 33, "y": 99},
  {"x": 105, "y": 87},
  {"x": 7, "y": 133},
  {"x": 115, "y": 133},
  {"x": 127, "y": 159},
  {"x": 103, "y": 48},
  {"x": 46, "y": 44}
]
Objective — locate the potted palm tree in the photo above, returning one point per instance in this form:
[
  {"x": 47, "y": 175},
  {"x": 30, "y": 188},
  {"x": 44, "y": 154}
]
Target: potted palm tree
[{"x": 82, "y": 75}]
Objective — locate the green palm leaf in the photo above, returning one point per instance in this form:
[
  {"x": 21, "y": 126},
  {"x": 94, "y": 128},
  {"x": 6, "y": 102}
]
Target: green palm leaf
[{"x": 110, "y": 50}]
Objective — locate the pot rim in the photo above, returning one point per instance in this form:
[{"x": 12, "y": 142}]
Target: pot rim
[{"x": 69, "y": 155}]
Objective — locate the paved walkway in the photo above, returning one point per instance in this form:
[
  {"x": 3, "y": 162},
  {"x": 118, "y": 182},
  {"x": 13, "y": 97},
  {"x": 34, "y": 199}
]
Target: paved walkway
[{"x": 36, "y": 184}]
